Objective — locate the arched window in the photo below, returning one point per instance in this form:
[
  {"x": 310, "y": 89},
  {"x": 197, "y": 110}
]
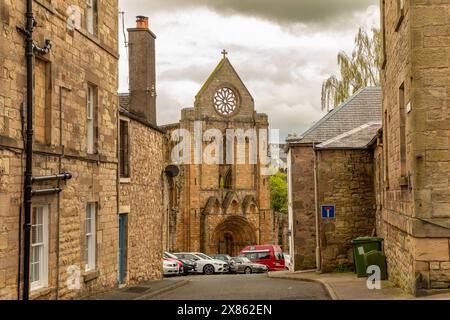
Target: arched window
[
  {"x": 226, "y": 177},
  {"x": 229, "y": 179}
]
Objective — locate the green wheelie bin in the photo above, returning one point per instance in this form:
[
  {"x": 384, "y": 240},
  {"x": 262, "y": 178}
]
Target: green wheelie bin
[
  {"x": 361, "y": 246},
  {"x": 377, "y": 258}
]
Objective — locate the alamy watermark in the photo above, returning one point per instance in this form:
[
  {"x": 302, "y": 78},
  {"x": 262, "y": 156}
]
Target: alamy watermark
[
  {"x": 374, "y": 279},
  {"x": 235, "y": 146}
]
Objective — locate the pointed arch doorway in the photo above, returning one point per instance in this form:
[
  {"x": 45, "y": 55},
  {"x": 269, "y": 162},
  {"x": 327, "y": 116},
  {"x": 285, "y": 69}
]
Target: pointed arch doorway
[{"x": 233, "y": 235}]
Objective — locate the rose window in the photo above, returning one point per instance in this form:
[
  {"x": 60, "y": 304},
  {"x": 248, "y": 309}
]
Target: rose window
[{"x": 225, "y": 101}]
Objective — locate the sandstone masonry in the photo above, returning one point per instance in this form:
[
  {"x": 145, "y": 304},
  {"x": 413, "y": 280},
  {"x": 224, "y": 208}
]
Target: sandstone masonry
[
  {"x": 141, "y": 164},
  {"x": 76, "y": 130},
  {"x": 413, "y": 214},
  {"x": 331, "y": 164}
]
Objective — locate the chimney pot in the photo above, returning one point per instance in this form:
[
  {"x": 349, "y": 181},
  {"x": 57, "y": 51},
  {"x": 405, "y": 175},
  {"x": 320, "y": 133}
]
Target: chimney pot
[{"x": 141, "y": 22}]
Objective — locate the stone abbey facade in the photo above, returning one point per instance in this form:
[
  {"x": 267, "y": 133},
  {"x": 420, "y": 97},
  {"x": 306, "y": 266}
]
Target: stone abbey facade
[{"x": 220, "y": 207}]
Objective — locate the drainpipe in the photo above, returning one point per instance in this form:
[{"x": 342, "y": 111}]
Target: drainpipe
[
  {"x": 118, "y": 185},
  {"x": 29, "y": 150},
  {"x": 188, "y": 243},
  {"x": 291, "y": 210},
  {"x": 19, "y": 264},
  {"x": 27, "y": 32},
  {"x": 316, "y": 198},
  {"x": 20, "y": 249}
]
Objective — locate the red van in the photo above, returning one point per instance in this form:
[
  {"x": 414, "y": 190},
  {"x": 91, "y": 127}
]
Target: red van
[{"x": 269, "y": 255}]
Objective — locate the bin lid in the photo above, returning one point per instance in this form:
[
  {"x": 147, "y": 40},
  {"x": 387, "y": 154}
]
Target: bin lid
[
  {"x": 374, "y": 253},
  {"x": 361, "y": 240}
]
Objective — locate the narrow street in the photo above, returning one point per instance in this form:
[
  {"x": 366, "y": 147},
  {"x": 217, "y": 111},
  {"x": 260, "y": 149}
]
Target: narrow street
[{"x": 244, "y": 287}]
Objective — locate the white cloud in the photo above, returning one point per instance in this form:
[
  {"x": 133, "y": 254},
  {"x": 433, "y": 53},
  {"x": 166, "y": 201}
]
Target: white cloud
[{"x": 282, "y": 64}]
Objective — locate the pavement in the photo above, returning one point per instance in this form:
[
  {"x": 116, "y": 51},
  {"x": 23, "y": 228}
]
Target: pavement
[{"x": 347, "y": 286}]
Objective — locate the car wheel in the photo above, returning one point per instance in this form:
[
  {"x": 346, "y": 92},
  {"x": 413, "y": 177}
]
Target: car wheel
[
  {"x": 208, "y": 269},
  {"x": 248, "y": 270}
]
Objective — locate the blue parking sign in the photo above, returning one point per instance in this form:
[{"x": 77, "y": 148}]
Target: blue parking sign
[{"x": 328, "y": 211}]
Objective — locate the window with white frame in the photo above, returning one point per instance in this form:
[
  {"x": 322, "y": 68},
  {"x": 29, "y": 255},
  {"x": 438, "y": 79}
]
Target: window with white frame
[
  {"x": 91, "y": 241},
  {"x": 91, "y": 93},
  {"x": 39, "y": 248}
]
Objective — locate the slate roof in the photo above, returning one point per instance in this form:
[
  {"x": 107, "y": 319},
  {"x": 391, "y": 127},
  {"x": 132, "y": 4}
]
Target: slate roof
[
  {"x": 358, "y": 138},
  {"x": 124, "y": 100},
  {"x": 124, "y": 104},
  {"x": 363, "y": 107}
]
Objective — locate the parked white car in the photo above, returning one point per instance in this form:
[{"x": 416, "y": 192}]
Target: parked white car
[
  {"x": 205, "y": 264},
  {"x": 171, "y": 268}
]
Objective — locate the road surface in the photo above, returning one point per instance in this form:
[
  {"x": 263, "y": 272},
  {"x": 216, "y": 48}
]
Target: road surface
[{"x": 244, "y": 287}]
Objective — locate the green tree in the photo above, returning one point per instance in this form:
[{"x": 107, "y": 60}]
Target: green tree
[
  {"x": 361, "y": 69},
  {"x": 279, "y": 192}
]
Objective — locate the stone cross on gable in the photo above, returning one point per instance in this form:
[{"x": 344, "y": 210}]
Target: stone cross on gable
[{"x": 224, "y": 52}]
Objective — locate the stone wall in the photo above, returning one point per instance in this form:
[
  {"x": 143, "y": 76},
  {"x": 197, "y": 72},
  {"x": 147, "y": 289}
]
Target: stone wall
[
  {"x": 302, "y": 205},
  {"x": 414, "y": 215},
  {"x": 142, "y": 198},
  {"x": 345, "y": 179},
  {"x": 10, "y": 200},
  {"x": 77, "y": 58},
  {"x": 281, "y": 230}
]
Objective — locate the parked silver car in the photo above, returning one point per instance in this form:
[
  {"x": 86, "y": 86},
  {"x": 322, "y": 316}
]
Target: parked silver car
[
  {"x": 227, "y": 259},
  {"x": 204, "y": 263},
  {"x": 244, "y": 265}
]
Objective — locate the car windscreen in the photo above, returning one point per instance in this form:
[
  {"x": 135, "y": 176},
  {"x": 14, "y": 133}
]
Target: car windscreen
[
  {"x": 203, "y": 256},
  {"x": 169, "y": 255},
  {"x": 245, "y": 260},
  {"x": 257, "y": 255},
  {"x": 279, "y": 255}
]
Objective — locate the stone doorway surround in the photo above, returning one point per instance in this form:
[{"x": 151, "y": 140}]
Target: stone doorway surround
[{"x": 232, "y": 235}]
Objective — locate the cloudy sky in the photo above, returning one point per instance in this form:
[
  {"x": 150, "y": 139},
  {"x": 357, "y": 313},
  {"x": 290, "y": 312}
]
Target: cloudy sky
[{"x": 282, "y": 49}]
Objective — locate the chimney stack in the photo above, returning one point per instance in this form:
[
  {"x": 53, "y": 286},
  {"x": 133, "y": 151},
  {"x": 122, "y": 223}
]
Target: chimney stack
[
  {"x": 141, "y": 22},
  {"x": 142, "y": 73}
]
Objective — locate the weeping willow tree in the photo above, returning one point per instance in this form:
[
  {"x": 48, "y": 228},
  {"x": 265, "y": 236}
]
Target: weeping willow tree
[{"x": 357, "y": 71}]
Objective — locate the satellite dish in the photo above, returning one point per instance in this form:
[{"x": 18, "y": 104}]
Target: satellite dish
[{"x": 172, "y": 171}]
